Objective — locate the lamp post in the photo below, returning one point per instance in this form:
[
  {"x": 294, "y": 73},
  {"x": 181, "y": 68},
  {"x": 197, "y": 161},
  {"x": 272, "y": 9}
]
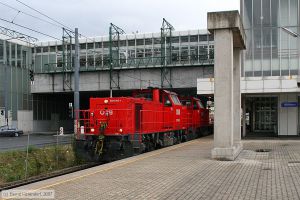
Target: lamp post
[
  {"x": 290, "y": 32},
  {"x": 296, "y": 35}
]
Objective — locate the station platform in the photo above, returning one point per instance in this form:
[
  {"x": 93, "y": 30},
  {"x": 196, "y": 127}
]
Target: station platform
[{"x": 186, "y": 171}]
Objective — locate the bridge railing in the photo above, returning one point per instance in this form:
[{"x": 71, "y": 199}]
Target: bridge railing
[{"x": 129, "y": 63}]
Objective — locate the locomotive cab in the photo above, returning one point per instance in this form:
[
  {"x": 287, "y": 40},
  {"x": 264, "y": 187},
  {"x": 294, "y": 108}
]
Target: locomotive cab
[{"x": 199, "y": 114}]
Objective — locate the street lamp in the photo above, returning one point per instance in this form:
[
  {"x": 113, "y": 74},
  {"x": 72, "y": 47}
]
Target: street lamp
[
  {"x": 296, "y": 35},
  {"x": 290, "y": 32}
]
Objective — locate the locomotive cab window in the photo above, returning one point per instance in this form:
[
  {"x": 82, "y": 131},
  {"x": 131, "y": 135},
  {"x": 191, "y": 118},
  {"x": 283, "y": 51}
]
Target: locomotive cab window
[
  {"x": 167, "y": 102},
  {"x": 200, "y": 104},
  {"x": 195, "y": 105},
  {"x": 186, "y": 102},
  {"x": 175, "y": 99}
]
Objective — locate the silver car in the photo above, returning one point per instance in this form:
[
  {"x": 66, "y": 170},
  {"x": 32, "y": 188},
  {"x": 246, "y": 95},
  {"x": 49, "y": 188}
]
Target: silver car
[{"x": 10, "y": 131}]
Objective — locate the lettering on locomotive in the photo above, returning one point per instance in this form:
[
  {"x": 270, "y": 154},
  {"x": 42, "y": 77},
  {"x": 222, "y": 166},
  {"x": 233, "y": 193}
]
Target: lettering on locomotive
[{"x": 106, "y": 112}]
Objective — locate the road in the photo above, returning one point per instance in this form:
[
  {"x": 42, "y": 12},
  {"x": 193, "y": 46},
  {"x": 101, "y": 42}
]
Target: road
[{"x": 15, "y": 143}]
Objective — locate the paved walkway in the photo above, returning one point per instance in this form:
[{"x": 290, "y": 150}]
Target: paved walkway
[{"x": 186, "y": 171}]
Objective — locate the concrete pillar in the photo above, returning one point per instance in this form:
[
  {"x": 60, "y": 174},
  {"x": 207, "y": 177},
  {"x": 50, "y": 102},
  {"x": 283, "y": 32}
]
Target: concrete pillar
[
  {"x": 229, "y": 41},
  {"x": 236, "y": 96},
  {"x": 223, "y": 76},
  {"x": 244, "y": 114}
]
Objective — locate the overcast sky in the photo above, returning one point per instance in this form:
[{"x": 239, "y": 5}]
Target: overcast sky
[{"x": 92, "y": 17}]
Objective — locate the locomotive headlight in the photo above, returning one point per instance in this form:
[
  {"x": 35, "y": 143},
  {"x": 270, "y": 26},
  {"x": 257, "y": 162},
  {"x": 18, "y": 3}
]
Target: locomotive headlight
[
  {"x": 92, "y": 114},
  {"x": 105, "y": 101},
  {"x": 121, "y": 130},
  {"x": 92, "y": 130}
]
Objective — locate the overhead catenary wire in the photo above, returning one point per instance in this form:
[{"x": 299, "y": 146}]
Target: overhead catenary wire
[
  {"x": 63, "y": 26},
  {"x": 43, "y": 14},
  {"x": 30, "y": 29},
  {"x": 25, "y": 13}
]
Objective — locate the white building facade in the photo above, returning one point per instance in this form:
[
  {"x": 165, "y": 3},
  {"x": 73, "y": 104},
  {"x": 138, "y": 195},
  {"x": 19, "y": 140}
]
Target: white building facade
[{"x": 270, "y": 70}]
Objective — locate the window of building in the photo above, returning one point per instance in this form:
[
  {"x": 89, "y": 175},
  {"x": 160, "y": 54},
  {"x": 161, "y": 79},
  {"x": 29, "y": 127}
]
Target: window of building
[
  {"x": 52, "y": 48},
  {"x": 123, "y": 43},
  {"x": 90, "y": 60},
  {"x": 257, "y": 17},
  {"x": 98, "y": 45},
  {"x": 24, "y": 59},
  {"x": 106, "y": 44},
  {"x": 83, "y": 46},
  {"x": 175, "y": 54},
  {"x": 148, "y": 41},
  {"x": 139, "y": 52},
  {"x": 106, "y": 60},
  {"x": 157, "y": 40},
  {"x": 19, "y": 48},
  {"x": 38, "y": 49},
  {"x": 193, "y": 53},
  {"x": 45, "y": 49},
  {"x": 211, "y": 52},
  {"x": 90, "y": 45},
  {"x": 82, "y": 60},
  {"x": 139, "y": 42},
  {"x": 184, "y": 39},
  {"x": 13, "y": 51},
  {"x": 175, "y": 39},
  {"x": 131, "y": 53},
  {"x": 59, "y": 48},
  {"x": 203, "y": 38},
  {"x": 148, "y": 52},
  {"x": 203, "y": 54},
  {"x": 131, "y": 42},
  {"x": 193, "y": 38},
  {"x": 184, "y": 53},
  {"x": 98, "y": 60}
]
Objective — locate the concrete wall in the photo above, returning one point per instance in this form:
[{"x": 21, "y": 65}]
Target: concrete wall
[
  {"x": 252, "y": 85},
  {"x": 181, "y": 77},
  {"x": 51, "y": 126},
  {"x": 288, "y": 117},
  {"x": 27, "y": 124},
  {"x": 25, "y": 120}
]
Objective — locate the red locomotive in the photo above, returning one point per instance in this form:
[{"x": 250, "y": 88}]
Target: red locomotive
[
  {"x": 152, "y": 118},
  {"x": 198, "y": 123}
]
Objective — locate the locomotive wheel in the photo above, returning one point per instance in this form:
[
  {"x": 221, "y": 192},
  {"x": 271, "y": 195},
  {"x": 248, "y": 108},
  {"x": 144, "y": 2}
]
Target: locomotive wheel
[
  {"x": 127, "y": 149},
  {"x": 82, "y": 152}
]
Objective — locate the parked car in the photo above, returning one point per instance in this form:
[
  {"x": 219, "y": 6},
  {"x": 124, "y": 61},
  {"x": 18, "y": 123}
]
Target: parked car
[{"x": 10, "y": 131}]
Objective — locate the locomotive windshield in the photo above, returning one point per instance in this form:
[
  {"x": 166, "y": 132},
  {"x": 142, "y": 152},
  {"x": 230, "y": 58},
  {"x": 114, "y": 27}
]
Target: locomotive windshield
[
  {"x": 175, "y": 99},
  {"x": 200, "y": 104}
]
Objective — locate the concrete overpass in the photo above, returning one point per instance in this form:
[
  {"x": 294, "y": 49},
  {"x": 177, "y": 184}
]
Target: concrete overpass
[{"x": 179, "y": 77}]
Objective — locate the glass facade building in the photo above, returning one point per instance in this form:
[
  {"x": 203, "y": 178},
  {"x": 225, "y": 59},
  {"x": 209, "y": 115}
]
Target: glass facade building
[
  {"x": 187, "y": 48},
  {"x": 271, "y": 49},
  {"x": 17, "y": 57},
  {"x": 271, "y": 66}
]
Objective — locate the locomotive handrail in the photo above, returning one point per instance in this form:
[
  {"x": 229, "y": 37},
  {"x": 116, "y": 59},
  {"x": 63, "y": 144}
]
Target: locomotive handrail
[{"x": 89, "y": 121}]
